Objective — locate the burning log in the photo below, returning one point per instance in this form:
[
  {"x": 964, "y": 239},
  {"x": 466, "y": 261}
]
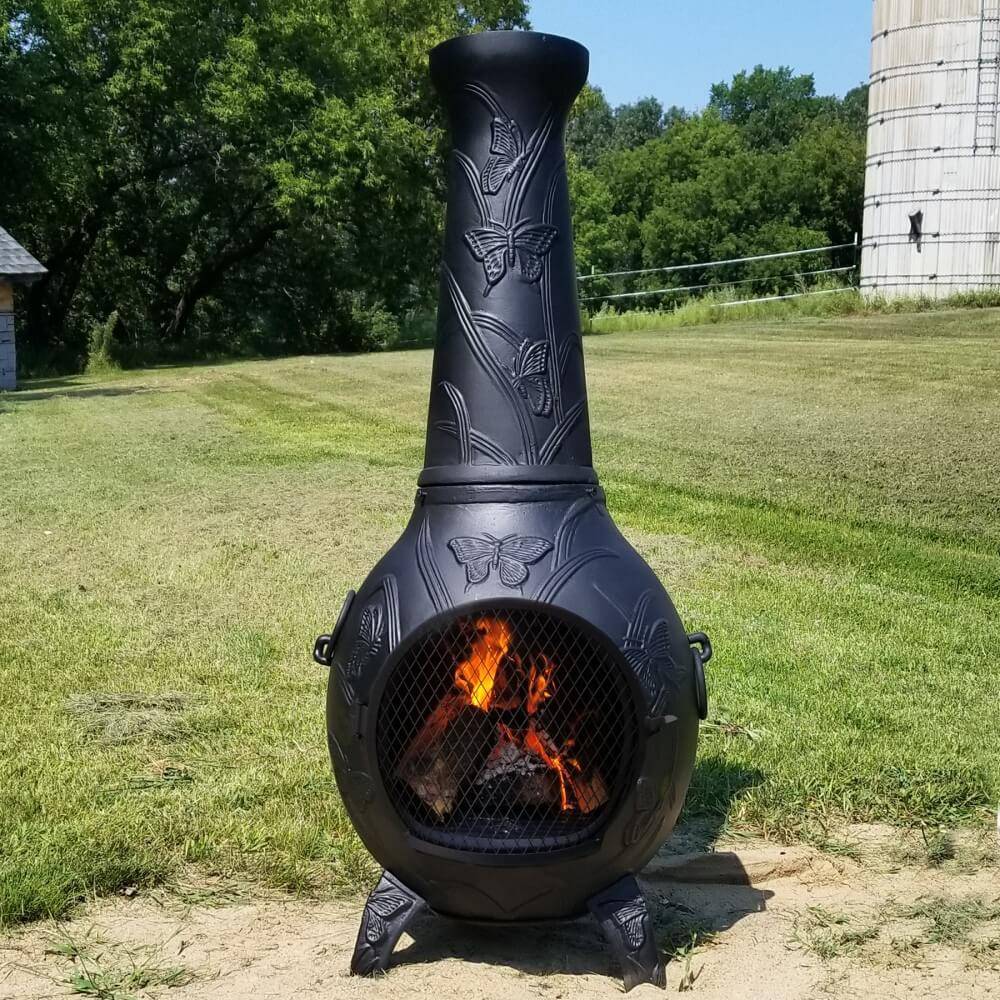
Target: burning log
[
  {"x": 545, "y": 774},
  {"x": 590, "y": 792},
  {"x": 533, "y": 782},
  {"x": 437, "y": 762},
  {"x": 463, "y": 739},
  {"x": 438, "y": 759},
  {"x": 540, "y": 687},
  {"x": 508, "y": 759}
]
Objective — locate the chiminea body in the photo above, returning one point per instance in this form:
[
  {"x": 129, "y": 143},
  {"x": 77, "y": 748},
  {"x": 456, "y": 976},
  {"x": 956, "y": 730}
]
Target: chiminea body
[{"x": 513, "y": 702}]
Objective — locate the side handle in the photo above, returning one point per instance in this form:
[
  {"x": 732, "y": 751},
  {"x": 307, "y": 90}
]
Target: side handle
[
  {"x": 701, "y": 650},
  {"x": 324, "y": 646}
]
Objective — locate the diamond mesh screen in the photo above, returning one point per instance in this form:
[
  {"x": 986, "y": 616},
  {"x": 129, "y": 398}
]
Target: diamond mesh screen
[{"x": 506, "y": 730}]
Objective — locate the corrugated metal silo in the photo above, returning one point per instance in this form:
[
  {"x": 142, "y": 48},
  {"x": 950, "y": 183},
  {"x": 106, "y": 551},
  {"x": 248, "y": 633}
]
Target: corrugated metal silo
[{"x": 932, "y": 185}]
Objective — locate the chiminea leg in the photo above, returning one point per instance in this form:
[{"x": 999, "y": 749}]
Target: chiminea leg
[
  {"x": 621, "y": 911},
  {"x": 389, "y": 911}
]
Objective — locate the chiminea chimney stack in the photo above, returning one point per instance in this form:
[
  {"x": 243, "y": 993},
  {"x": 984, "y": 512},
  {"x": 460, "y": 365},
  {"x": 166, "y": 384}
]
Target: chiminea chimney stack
[{"x": 508, "y": 395}]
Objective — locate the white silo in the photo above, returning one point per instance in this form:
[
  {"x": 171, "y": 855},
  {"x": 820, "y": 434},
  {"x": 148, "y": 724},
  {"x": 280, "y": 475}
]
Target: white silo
[{"x": 932, "y": 211}]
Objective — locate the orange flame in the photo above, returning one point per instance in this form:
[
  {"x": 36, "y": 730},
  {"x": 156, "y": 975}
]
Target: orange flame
[
  {"x": 540, "y": 685},
  {"x": 476, "y": 675},
  {"x": 534, "y": 743},
  {"x": 482, "y": 684}
]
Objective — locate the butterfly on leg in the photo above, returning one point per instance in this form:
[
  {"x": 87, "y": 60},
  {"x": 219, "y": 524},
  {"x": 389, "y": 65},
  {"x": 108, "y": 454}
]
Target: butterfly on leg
[
  {"x": 381, "y": 908},
  {"x": 631, "y": 920},
  {"x": 499, "y": 248}
]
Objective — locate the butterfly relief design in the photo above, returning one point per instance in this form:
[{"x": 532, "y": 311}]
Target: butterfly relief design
[
  {"x": 647, "y": 650},
  {"x": 499, "y": 248},
  {"x": 530, "y": 376},
  {"x": 507, "y": 154},
  {"x": 371, "y": 632},
  {"x": 382, "y": 907},
  {"x": 630, "y": 919},
  {"x": 510, "y": 556}
]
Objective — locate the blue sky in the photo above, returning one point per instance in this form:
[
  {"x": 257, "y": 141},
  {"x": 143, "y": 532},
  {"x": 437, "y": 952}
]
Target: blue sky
[{"x": 676, "y": 49}]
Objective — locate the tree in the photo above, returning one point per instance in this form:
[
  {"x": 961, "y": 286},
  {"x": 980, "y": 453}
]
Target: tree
[
  {"x": 770, "y": 106},
  {"x": 854, "y": 110},
  {"x": 604, "y": 239},
  {"x": 822, "y": 179},
  {"x": 637, "y": 123},
  {"x": 591, "y": 127},
  {"x": 166, "y": 152},
  {"x": 717, "y": 185},
  {"x": 594, "y": 130}
]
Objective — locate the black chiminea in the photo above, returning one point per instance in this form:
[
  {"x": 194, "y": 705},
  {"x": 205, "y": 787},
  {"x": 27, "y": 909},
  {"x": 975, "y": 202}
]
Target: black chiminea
[{"x": 513, "y": 703}]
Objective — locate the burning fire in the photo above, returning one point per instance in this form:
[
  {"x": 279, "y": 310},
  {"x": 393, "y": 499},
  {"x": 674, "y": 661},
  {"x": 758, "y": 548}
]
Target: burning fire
[
  {"x": 491, "y": 677},
  {"x": 539, "y": 683},
  {"x": 476, "y": 675}
]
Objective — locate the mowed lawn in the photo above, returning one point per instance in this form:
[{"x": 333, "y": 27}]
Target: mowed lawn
[{"x": 823, "y": 497}]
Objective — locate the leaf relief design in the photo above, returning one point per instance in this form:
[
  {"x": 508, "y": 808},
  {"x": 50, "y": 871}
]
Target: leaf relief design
[
  {"x": 567, "y": 570},
  {"x": 638, "y": 826},
  {"x": 562, "y": 430},
  {"x": 488, "y": 361},
  {"x": 463, "y": 423},
  {"x": 430, "y": 572}
]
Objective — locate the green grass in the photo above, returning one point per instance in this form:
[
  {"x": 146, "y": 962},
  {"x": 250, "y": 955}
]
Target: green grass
[
  {"x": 960, "y": 922},
  {"x": 820, "y": 495},
  {"x": 828, "y": 934},
  {"x": 950, "y": 921},
  {"x": 108, "y": 972},
  {"x": 721, "y": 307}
]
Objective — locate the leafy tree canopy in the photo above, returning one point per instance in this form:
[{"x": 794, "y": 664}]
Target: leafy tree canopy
[
  {"x": 224, "y": 175},
  {"x": 768, "y": 166},
  {"x": 770, "y": 106}
]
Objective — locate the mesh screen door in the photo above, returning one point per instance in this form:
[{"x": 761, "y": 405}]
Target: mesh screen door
[{"x": 505, "y": 731}]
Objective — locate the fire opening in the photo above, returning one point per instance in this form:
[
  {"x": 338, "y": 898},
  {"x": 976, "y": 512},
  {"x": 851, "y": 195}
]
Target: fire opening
[{"x": 505, "y": 730}]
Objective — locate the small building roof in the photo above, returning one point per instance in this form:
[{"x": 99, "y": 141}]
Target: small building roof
[{"x": 16, "y": 264}]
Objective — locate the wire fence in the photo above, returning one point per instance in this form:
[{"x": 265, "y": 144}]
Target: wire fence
[
  {"x": 717, "y": 276},
  {"x": 824, "y": 265}
]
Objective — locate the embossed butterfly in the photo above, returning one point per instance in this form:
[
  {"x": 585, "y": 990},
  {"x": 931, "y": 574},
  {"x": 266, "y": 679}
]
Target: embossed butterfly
[
  {"x": 499, "y": 248},
  {"x": 648, "y": 652},
  {"x": 381, "y": 909},
  {"x": 630, "y": 918},
  {"x": 530, "y": 376},
  {"x": 508, "y": 155},
  {"x": 510, "y": 556},
  {"x": 369, "y": 640}
]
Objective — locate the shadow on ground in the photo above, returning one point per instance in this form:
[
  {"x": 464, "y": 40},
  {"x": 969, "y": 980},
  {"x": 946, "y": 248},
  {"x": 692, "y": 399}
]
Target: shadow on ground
[
  {"x": 685, "y": 910},
  {"x": 66, "y": 389}
]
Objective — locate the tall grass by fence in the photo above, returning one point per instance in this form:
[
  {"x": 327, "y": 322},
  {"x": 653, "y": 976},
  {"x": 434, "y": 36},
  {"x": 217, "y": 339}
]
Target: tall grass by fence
[{"x": 723, "y": 307}]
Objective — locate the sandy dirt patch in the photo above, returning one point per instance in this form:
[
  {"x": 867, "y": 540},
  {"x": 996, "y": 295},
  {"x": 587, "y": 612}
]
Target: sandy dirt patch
[{"x": 756, "y": 921}]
